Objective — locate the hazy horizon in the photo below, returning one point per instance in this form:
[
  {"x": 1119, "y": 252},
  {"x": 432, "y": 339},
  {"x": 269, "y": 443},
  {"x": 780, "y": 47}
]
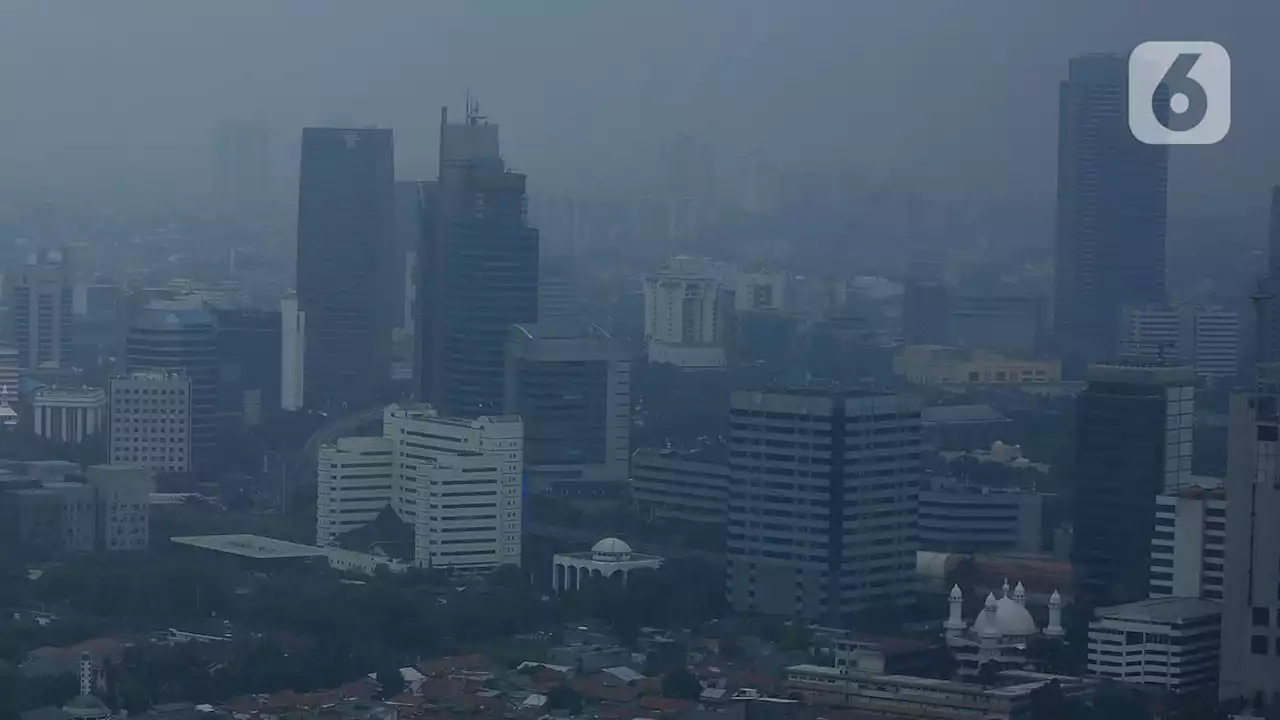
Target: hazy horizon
[{"x": 955, "y": 99}]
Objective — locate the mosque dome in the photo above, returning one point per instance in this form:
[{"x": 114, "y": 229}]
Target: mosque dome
[
  {"x": 611, "y": 549},
  {"x": 1013, "y": 619}
]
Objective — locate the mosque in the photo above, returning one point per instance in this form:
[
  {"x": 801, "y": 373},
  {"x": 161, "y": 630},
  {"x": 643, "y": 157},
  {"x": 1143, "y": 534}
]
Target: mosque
[
  {"x": 608, "y": 558},
  {"x": 1000, "y": 632}
]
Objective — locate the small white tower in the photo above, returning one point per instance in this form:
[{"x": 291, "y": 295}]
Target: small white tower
[
  {"x": 990, "y": 625},
  {"x": 1020, "y": 595},
  {"x": 86, "y": 673},
  {"x": 1005, "y": 588},
  {"x": 1054, "y": 629},
  {"x": 955, "y": 623}
]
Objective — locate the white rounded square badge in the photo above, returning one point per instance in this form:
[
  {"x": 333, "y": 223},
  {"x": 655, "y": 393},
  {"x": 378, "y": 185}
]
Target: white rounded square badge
[{"x": 1197, "y": 77}]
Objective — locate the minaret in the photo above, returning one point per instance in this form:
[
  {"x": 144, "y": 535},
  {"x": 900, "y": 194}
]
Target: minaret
[
  {"x": 1020, "y": 594},
  {"x": 955, "y": 623},
  {"x": 1005, "y": 588},
  {"x": 86, "y": 674},
  {"x": 990, "y": 627},
  {"x": 1054, "y": 628}
]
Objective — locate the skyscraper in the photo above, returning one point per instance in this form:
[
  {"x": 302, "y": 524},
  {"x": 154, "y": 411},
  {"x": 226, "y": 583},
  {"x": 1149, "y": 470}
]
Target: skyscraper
[
  {"x": 1134, "y": 428},
  {"x": 571, "y": 385},
  {"x": 823, "y": 501},
  {"x": 1267, "y": 299},
  {"x": 181, "y": 336},
  {"x": 345, "y": 229},
  {"x": 42, "y": 310},
  {"x": 1251, "y": 587},
  {"x": 1111, "y": 214},
  {"x": 479, "y": 262}
]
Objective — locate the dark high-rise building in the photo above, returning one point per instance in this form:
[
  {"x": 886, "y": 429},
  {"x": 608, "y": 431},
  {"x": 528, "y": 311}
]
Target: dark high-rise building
[
  {"x": 181, "y": 335},
  {"x": 345, "y": 264},
  {"x": 1266, "y": 301},
  {"x": 479, "y": 262},
  {"x": 822, "y": 520},
  {"x": 571, "y": 384},
  {"x": 1111, "y": 215},
  {"x": 1133, "y": 438},
  {"x": 924, "y": 304},
  {"x": 42, "y": 310},
  {"x": 249, "y": 364}
]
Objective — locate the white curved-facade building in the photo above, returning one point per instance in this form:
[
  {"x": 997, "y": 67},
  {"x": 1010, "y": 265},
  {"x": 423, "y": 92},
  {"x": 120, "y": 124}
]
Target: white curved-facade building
[
  {"x": 1000, "y": 632},
  {"x": 607, "y": 558}
]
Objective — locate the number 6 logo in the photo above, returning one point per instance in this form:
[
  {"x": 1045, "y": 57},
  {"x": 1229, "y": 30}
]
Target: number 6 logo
[{"x": 1179, "y": 93}]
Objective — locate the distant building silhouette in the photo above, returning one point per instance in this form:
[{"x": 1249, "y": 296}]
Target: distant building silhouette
[
  {"x": 42, "y": 310},
  {"x": 479, "y": 270},
  {"x": 345, "y": 268},
  {"x": 1111, "y": 215}
]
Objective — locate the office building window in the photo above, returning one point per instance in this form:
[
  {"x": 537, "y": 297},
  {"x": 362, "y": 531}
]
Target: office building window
[{"x": 1258, "y": 644}]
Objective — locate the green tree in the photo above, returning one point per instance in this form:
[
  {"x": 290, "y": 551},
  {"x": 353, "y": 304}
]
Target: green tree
[{"x": 681, "y": 684}]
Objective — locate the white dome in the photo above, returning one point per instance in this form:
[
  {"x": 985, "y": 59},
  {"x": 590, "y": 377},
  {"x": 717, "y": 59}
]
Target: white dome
[
  {"x": 1013, "y": 619},
  {"x": 611, "y": 548}
]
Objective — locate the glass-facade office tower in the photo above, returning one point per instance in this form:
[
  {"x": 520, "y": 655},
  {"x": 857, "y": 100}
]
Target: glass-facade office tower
[{"x": 345, "y": 250}]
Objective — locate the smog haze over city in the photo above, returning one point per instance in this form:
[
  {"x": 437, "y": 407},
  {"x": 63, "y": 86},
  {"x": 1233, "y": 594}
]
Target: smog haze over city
[{"x": 649, "y": 359}]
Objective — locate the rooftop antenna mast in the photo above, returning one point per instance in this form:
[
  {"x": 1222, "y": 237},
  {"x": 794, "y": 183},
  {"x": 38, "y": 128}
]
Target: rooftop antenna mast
[{"x": 473, "y": 110}]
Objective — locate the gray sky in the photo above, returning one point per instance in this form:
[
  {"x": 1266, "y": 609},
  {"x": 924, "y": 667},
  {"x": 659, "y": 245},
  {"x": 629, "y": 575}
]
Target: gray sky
[{"x": 956, "y": 97}]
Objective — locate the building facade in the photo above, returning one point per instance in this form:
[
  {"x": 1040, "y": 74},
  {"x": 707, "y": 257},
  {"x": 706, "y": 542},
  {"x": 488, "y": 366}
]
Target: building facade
[
  {"x": 151, "y": 420},
  {"x": 181, "y": 336},
  {"x": 69, "y": 415},
  {"x": 249, "y": 365},
  {"x": 1133, "y": 438},
  {"x": 961, "y": 518},
  {"x": 1166, "y": 643},
  {"x": 933, "y": 365},
  {"x": 571, "y": 385},
  {"x": 1251, "y": 590},
  {"x": 683, "y": 487},
  {"x": 355, "y": 481},
  {"x": 292, "y": 354},
  {"x": 1188, "y": 547},
  {"x": 687, "y": 308},
  {"x": 1111, "y": 211},
  {"x": 456, "y": 484},
  {"x": 345, "y": 264},
  {"x": 479, "y": 260},
  {"x": 124, "y": 505},
  {"x": 1205, "y": 337},
  {"x": 42, "y": 310},
  {"x": 823, "y": 501}
]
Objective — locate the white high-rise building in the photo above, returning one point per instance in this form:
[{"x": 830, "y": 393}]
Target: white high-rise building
[
  {"x": 456, "y": 483},
  {"x": 686, "y": 310},
  {"x": 355, "y": 481},
  {"x": 151, "y": 420},
  {"x": 1188, "y": 546},
  {"x": 293, "y": 327},
  {"x": 1205, "y": 337}
]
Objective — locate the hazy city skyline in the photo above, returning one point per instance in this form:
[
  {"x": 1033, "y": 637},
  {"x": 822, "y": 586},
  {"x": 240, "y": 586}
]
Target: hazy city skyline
[{"x": 955, "y": 99}]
